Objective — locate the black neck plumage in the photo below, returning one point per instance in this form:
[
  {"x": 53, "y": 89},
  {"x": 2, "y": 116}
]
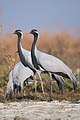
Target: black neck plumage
[
  {"x": 33, "y": 53},
  {"x": 22, "y": 57}
]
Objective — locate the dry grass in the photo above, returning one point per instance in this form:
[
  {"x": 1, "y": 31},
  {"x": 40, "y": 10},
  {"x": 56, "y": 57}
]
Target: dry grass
[{"x": 62, "y": 45}]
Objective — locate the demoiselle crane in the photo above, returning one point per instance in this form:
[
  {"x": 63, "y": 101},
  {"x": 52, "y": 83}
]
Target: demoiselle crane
[
  {"x": 22, "y": 73},
  {"x": 49, "y": 63},
  {"x": 17, "y": 76},
  {"x": 25, "y": 57}
]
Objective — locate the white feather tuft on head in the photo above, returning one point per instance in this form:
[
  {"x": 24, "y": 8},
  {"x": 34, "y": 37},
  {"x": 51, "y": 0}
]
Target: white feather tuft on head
[
  {"x": 21, "y": 34},
  {"x": 37, "y": 33}
]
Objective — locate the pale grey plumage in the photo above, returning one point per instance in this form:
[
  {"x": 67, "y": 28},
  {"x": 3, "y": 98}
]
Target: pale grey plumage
[
  {"x": 50, "y": 63},
  {"x": 17, "y": 76},
  {"x": 22, "y": 73}
]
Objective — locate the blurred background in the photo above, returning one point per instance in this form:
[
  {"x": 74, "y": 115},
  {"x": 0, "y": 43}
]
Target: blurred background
[{"x": 58, "y": 22}]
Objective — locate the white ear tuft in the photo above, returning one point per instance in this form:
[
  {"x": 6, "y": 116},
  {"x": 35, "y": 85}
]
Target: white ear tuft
[{"x": 37, "y": 33}]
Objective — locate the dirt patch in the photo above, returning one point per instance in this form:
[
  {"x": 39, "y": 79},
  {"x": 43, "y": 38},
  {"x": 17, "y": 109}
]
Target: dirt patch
[{"x": 33, "y": 110}]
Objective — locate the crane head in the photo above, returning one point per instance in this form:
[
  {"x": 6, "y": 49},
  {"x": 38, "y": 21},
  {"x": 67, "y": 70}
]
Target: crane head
[
  {"x": 18, "y": 32},
  {"x": 34, "y": 32}
]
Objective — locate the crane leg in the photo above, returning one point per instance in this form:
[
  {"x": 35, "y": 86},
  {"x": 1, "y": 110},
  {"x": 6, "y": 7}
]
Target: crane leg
[
  {"x": 50, "y": 85},
  {"x": 35, "y": 85},
  {"x": 41, "y": 83}
]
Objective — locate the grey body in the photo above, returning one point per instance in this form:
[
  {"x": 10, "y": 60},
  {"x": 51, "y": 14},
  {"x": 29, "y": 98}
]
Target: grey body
[
  {"x": 17, "y": 77},
  {"x": 21, "y": 73},
  {"x": 49, "y": 63}
]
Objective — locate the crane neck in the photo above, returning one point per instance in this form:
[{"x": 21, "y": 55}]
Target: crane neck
[
  {"x": 22, "y": 56},
  {"x": 19, "y": 46},
  {"x": 34, "y": 48},
  {"x": 33, "y": 53}
]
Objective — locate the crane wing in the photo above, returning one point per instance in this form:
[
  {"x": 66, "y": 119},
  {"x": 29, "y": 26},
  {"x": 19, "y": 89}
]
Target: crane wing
[
  {"x": 24, "y": 72},
  {"x": 51, "y": 63}
]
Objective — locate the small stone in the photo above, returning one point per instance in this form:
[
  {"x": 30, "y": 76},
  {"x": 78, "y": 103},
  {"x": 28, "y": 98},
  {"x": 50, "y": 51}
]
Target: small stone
[{"x": 20, "y": 118}]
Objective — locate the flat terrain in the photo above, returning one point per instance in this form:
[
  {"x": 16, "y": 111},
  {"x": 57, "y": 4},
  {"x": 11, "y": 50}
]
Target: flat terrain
[{"x": 43, "y": 110}]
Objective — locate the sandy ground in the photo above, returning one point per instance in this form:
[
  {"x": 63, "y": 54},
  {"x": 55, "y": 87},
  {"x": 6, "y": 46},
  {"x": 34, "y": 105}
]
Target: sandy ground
[{"x": 33, "y": 110}]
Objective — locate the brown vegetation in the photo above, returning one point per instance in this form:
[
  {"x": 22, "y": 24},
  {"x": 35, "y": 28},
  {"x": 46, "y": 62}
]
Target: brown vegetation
[{"x": 62, "y": 45}]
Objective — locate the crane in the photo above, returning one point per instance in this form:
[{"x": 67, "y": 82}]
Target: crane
[
  {"x": 17, "y": 76},
  {"x": 25, "y": 57},
  {"x": 49, "y": 63}
]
